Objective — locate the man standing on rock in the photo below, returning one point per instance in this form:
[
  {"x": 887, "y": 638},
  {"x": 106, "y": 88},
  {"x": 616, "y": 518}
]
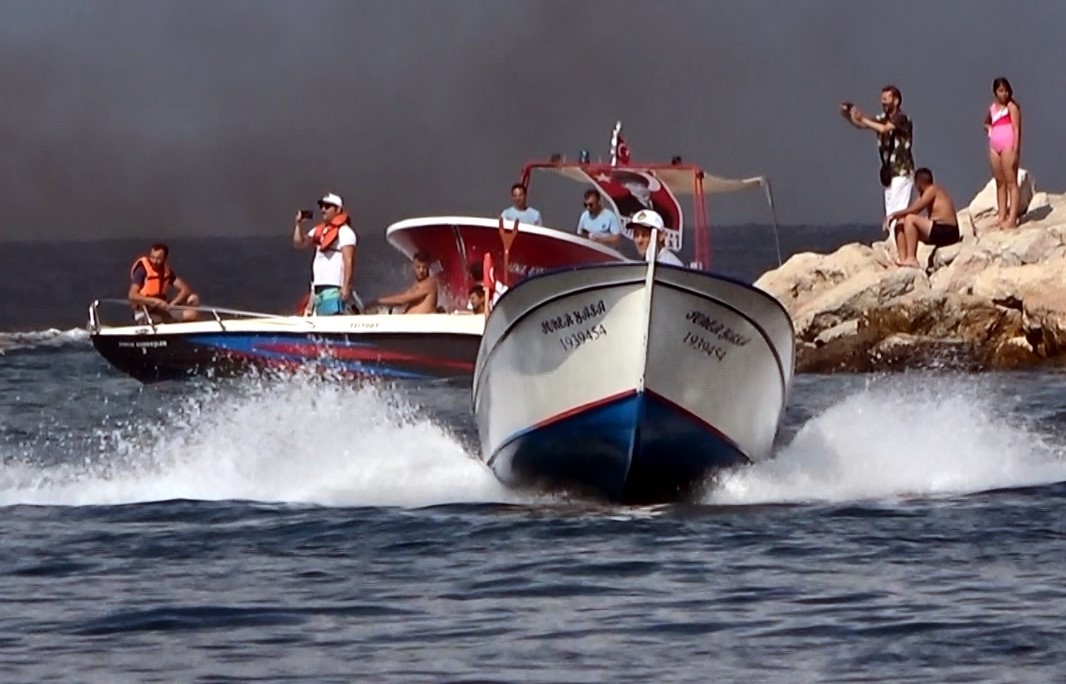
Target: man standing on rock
[
  {"x": 940, "y": 229},
  {"x": 894, "y": 136}
]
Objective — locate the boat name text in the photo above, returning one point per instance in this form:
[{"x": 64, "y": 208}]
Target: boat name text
[
  {"x": 717, "y": 328},
  {"x": 573, "y": 317},
  {"x": 143, "y": 345},
  {"x": 525, "y": 271}
]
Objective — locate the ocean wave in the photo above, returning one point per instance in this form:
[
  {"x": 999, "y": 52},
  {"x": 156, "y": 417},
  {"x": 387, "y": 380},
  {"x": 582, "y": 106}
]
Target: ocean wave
[
  {"x": 36, "y": 339},
  {"x": 296, "y": 441},
  {"x": 904, "y": 438}
]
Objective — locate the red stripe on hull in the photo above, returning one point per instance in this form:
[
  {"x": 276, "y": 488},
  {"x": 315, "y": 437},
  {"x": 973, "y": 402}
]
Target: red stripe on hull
[
  {"x": 694, "y": 418},
  {"x": 582, "y": 408}
]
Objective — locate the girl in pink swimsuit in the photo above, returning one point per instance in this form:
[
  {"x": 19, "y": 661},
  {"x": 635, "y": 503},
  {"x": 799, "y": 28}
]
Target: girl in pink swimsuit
[{"x": 1004, "y": 126}]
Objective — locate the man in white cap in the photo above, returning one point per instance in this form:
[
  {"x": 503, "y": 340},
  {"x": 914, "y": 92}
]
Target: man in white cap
[
  {"x": 641, "y": 225},
  {"x": 334, "y": 263}
]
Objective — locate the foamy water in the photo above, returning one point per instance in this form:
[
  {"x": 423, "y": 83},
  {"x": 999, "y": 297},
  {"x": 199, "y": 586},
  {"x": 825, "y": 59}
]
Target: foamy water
[
  {"x": 298, "y": 442},
  {"x": 334, "y": 445},
  {"x": 52, "y": 337},
  {"x": 904, "y": 438}
]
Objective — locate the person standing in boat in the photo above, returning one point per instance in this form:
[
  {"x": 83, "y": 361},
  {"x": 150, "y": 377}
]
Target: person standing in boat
[
  {"x": 420, "y": 298},
  {"x": 641, "y": 225},
  {"x": 599, "y": 224},
  {"x": 150, "y": 279},
  {"x": 334, "y": 263},
  {"x": 519, "y": 209},
  {"x": 895, "y": 134}
]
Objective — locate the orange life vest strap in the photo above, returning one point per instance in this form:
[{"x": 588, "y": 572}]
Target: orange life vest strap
[{"x": 326, "y": 233}]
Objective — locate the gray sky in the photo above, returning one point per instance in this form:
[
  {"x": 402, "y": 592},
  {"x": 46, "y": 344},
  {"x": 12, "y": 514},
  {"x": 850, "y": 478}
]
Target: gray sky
[{"x": 207, "y": 117}]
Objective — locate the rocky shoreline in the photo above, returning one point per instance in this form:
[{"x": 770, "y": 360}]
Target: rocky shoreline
[{"x": 997, "y": 300}]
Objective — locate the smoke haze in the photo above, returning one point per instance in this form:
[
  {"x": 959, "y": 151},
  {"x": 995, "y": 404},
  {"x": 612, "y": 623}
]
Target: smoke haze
[{"x": 124, "y": 118}]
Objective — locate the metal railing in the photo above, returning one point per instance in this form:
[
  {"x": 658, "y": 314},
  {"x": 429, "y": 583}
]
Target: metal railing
[{"x": 216, "y": 312}]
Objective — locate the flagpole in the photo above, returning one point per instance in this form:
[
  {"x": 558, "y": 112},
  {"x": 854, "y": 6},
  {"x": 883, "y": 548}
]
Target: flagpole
[{"x": 615, "y": 134}]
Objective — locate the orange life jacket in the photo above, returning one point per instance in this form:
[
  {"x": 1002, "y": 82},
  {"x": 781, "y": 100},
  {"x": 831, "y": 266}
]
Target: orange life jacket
[
  {"x": 155, "y": 282},
  {"x": 326, "y": 233}
]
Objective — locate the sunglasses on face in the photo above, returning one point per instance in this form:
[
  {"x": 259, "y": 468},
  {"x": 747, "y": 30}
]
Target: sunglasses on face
[{"x": 589, "y": 205}]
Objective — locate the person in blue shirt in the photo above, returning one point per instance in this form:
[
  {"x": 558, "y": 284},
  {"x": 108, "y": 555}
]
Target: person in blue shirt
[
  {"x": 519, "y": 209},
  {"x": 599, "y": 224}
]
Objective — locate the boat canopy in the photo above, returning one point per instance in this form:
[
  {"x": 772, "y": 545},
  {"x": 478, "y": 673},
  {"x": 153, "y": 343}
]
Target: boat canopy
[
  {"x": 627, "y": 188},
  {"x": 680, "y": 178}
]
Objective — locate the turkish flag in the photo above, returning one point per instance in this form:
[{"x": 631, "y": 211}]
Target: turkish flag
[{"x": 622, "y": 151}]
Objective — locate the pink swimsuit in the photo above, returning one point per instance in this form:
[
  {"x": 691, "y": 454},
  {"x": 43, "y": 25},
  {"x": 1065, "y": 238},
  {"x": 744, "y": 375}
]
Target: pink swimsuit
[{"x": 1001, "y": 133}]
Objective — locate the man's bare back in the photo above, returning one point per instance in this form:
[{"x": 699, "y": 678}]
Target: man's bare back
[{"x": 942, "y": 210}]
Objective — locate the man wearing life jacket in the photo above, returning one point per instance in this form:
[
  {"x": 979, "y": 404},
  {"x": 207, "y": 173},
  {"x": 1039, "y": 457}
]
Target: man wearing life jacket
[
  {"x": 334, "y": 263},
  {"x": 150, "y": 279}
]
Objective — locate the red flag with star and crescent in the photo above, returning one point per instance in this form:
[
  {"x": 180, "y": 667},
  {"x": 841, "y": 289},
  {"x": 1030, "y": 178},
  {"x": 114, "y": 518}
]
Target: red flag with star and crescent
[{"x": 622, "y": 151}]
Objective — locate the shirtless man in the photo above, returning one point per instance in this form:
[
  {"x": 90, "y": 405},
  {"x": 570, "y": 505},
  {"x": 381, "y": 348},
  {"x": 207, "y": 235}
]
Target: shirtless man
[
  {"x": 940, "y": 229},
  {"x": 420, "y": 298}
]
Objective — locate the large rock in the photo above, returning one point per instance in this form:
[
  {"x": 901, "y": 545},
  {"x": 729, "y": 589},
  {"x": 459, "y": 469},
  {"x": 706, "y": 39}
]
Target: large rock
[{"x": 995, "y": 300}]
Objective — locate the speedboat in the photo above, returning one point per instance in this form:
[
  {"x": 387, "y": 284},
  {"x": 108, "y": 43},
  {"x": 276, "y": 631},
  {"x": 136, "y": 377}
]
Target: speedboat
[
  {"x": 231, "y": 342},
  {"x": 633, "y": 382},
  {"x": 227, "y": 342}
]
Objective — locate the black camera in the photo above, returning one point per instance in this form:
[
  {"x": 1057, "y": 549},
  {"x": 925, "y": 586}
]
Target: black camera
[{"x": 306, "y": 214}]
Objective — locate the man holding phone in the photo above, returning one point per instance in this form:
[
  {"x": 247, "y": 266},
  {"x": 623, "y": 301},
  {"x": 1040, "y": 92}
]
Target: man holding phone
[
  {"x": 895, "y": 132},
  {"x": 334, "y": 263}
]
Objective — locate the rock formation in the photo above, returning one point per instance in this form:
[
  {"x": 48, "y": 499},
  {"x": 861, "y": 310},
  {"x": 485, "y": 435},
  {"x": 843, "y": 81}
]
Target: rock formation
[{"x": 996, "y": 300}]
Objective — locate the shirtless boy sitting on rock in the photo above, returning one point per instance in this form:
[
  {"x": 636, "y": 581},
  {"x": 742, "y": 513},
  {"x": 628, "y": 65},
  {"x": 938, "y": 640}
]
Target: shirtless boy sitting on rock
[{"x": 940, "y": 229}]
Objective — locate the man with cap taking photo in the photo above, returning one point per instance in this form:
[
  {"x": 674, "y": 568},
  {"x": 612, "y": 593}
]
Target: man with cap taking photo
[
  {"x": 334, "y": 264},
  {"x": 641, "y": 225}
]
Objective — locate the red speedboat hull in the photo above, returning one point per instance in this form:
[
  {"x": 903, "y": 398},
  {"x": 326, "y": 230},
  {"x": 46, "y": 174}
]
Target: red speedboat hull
[{"x": 453, "y": 243}]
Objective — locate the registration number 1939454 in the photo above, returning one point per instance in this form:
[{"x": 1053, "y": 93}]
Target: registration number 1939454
[{"x": 576, "y": 339}]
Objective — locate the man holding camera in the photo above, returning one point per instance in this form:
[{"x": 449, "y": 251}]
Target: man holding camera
[
  {"x": 334, "y": 263},
  {"x": 894, "y": 136}
]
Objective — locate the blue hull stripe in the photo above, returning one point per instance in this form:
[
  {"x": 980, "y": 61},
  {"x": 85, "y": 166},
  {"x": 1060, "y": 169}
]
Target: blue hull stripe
[{"x": 637, "y": 449}]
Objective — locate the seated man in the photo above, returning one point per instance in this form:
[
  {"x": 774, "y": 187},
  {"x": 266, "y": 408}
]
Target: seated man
[
  {"x": 642, "y": 224},
  {"x": 150, "y": 279},
  {"x": 519, "y": 209},
  {"x": 940, "y": 229},
  {"x": 476, "y": 298},
  {"x": 420, "y": 298},
  {"x": 598, "y": 224}
]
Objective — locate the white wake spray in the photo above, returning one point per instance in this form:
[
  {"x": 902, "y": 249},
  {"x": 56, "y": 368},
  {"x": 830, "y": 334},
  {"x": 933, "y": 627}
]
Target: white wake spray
[
  {"x": 907, "y": 437},
  {"x": 297, "y": 441}
]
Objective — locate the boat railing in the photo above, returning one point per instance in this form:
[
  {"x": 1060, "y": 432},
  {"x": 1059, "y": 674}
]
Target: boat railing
[{"x": 219, "y": 314}]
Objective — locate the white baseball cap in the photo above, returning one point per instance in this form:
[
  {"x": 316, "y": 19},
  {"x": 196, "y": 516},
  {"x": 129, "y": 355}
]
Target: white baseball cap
[
  {"x": 647, "y": 217},
  {"x": 332, "y": 198}
]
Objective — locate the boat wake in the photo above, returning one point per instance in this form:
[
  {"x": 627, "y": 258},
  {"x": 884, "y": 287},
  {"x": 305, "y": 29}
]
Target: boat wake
[
  {"x": 304, "y": 442},
  {"x": 50, "y": 338},
  {"x": 300, "y": 441},
  {"x": 900, "y": 440}
]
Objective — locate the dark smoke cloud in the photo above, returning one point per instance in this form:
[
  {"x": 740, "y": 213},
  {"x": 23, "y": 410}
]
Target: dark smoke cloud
[{"x": 129, "y": 118}]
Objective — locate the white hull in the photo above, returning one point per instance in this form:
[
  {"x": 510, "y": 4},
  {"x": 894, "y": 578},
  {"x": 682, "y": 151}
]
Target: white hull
[{"x": 632, "y": 380}]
